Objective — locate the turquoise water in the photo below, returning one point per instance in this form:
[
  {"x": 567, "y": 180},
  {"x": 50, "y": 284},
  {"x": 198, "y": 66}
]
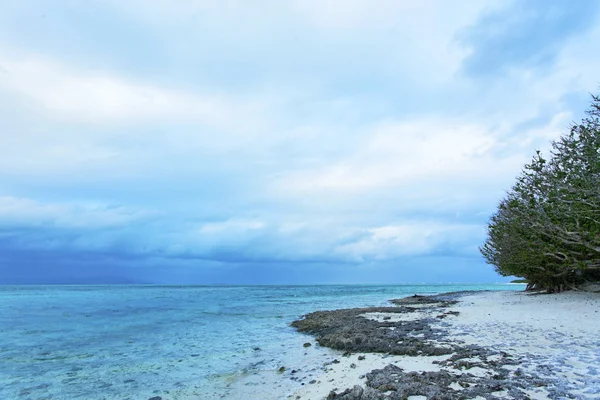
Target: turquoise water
[{"x": 177, "y": 342}]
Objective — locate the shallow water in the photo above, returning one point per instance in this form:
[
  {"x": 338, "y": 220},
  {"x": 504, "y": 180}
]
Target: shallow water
[{"x": 177, "y": 342}]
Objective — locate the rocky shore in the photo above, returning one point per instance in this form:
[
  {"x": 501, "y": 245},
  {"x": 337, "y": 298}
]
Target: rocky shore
[{"x": 467, "y": 345}]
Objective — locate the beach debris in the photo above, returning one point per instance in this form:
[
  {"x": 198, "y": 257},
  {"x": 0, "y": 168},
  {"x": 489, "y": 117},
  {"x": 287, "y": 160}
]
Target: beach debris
[
  {"x": 307, "y": 344},
  {"x": 281, "y": 369}
]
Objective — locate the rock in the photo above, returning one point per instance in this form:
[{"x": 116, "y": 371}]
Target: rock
[
  {"x": 155, "y": 398},
  {"x": 312, "y": 382},
  {"x": 352, "y": 365},
  {"x": 357, "y": 393},
  {"x": 360, "y": 358},
  {"x": 392, "y": 383},
  {"x": 349, "y": 394},
  {"x": 346, "y": 330},
  {"x": 307, "y": 344}
]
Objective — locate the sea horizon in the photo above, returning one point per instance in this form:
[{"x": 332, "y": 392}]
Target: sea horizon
[{"x": 258, "y": 284}]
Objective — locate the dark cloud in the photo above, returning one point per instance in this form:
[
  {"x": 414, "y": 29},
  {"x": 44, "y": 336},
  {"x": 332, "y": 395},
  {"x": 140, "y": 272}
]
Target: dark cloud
[
  {"x": 170, "y": 252},
  {"x": 65, "y": 267}
]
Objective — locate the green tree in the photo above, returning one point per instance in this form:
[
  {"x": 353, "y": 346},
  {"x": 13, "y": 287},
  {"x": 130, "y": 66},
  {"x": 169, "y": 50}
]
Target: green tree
[{"x": 547, "y": 228}]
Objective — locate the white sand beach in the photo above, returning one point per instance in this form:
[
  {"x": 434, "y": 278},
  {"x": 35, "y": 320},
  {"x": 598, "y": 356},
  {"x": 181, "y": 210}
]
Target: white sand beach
[{"x": 553, "y": 336}]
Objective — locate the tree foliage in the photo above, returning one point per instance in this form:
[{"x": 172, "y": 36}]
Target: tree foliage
[{"x": 547, "y": 228}]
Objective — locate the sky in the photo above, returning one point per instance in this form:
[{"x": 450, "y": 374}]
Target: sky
[{"x": 275, "y": 142}]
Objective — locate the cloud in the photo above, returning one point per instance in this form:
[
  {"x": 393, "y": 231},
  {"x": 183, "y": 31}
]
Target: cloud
[
  {"x": 217, "y": 140},
  {"x": 29, "y": 213},
  {"x": 311, "y": 44},
  {"x": 64, "y": 119},
  {"x": 410, "y": 238},
  {"x": 125, "y": 233},
  {"x": 432, "y": 159},
  {"x": 524, "y": 34},
  {"x": 101, "y": 97}
]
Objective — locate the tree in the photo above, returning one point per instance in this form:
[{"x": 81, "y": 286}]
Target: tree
[{"x": 547, "y": 228}]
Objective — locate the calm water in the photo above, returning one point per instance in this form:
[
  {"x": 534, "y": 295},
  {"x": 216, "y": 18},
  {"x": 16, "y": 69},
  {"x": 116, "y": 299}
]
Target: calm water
[{"x": 177, "y": 342}]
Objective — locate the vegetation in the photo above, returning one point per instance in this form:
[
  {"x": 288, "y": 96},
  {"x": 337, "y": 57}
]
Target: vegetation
[
  {"x": 547, "y": 228},
  {"x": 519, "y": 281}
]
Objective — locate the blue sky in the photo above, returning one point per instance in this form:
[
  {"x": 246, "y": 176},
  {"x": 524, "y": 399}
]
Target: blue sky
[{"x": 300, "y": 141}]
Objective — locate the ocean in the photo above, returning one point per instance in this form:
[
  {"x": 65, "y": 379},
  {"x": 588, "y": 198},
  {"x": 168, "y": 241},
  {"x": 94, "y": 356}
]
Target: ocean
[{"x": 172, "y": 342}]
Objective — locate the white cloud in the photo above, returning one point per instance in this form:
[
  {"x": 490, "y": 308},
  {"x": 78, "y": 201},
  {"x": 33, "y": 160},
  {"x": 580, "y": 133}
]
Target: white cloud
[
  {"x": 400, "y": 153},
  {"x": 24, "y": 212},
  {"x": 96, "y": 96},
  {"x": 411, "y": 38},
  {"x": 73, "y": 120},
  {"x": 231, "y": 226},
  {"x": 405, "y": 239}
]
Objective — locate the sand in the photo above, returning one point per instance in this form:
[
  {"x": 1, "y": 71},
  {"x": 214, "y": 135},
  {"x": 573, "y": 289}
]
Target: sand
[{"x": 553, "y": 335}]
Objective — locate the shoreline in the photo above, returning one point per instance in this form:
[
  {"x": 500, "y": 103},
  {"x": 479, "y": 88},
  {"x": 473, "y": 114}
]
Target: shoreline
[{"x": 465, "y": 345}]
